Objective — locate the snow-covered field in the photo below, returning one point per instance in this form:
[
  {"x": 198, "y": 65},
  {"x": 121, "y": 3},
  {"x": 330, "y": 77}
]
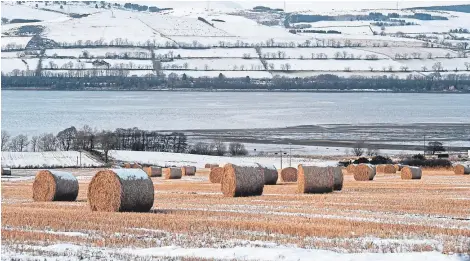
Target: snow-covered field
[
  {"x": 182, "y": 27},
  {"x": 256, "y": 250},
  {"x": 48, "y": 159},
  {"x": 179, "y": 159},
  {"x": 217, "y": 64},
  {"x": 14, "y": 41}
]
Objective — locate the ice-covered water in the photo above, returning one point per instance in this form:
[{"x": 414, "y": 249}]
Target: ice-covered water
[{"x": 34, "y": 112}]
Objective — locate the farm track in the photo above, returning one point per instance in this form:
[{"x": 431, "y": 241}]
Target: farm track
[{"x": 385, "y": 215}]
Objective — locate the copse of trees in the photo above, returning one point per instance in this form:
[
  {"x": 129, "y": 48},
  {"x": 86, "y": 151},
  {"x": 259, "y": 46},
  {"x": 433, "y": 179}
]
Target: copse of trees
[
  {"x": 134, "y": 139},
  {"x": 89, "y": 139}
]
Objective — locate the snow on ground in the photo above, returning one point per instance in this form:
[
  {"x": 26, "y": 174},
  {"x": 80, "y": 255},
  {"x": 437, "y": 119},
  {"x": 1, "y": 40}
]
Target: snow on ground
[
  {"x": 10, "y": 64},
  {"x": 208, "y": 53},
  {"x": 447, "y": 64},
  {"x": 14, "y": 11},
  {"x": 14, "y": 41},
  {"x": 244, "y": 27},
  {"x": 217, "y": 64},
  {"x": 346, "y": 30},
  {"x": 333, "y": 65},
  {"x": 88, "y": 63},
  {"x": 423, "y": 52},
  {"x": 103, "y": 26},
  {"x": 48, "y": 159},
  {"x": 95, "y": 52},
  {"x": 228, "y": 74},
  {"x": 377, "y": 73},
  {"x": 254, "y": 250},
  {"x": 179, "y": 26},
  {"x": 180, "y": 159},
  {"x": 307, "y": 53}
]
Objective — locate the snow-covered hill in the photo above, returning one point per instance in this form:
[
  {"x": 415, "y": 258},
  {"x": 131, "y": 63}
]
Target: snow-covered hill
[{"x": 206, "y": 39}]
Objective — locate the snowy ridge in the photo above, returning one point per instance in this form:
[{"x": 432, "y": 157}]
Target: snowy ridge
[{"x": 200, "y": 40}]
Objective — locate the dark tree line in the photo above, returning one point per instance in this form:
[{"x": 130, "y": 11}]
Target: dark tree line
[{"x": 433, "y": 82}]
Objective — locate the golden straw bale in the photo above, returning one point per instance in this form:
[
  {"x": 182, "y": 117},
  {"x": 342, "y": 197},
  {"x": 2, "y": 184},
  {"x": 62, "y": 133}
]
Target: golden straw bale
[
  {"x": 124, "y": 190},
  {"x": 288, "y": 174},
  {"x": 409, "y": 172},
  {"x": 461, "y": 169},
  {"x": 364, "y": 172},
  {"x": 386, "y": 168},
  {"x": 350, "y": 168},
  {"x": 313, "y": 179},
  {"x": 153, "y": 171},
  {"x": 188, "y": 171},
  {"x": 338, "y": 177},
  {"x": 211, "y": 165},
  {"x": 52, "y": 185},
  {"x": 216, "y": 175},
  {"x": 242, "y": 181},
  {"x": 270, "y": 174},
  {"x": 398, "y": 167},
  {"x": 172, "y": 173}
]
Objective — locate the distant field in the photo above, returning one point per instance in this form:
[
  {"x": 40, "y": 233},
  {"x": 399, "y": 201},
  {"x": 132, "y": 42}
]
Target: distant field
[
  {"x": 375, "y": 220},
  {"x": 48, "y": 159}
]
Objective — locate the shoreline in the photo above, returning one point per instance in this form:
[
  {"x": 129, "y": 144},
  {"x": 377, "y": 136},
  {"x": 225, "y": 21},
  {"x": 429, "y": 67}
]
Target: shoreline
[{"x": 238, "y": 91}]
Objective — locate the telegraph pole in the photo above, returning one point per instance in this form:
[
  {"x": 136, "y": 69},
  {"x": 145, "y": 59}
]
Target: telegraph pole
[
  {"x": 290, "y": 155},
  {"x": 424, "y": 145}
]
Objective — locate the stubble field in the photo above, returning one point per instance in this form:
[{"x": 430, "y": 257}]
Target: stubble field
[{"x": 387, "y": 215}]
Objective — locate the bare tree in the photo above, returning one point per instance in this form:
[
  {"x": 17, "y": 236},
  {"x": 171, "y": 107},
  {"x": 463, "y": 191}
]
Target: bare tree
[
  {"x": 19, "y": 143},
  {"x": 47, "y": 142},
  {"x": 372, "y": 152},
  {"x": 34, "y": 143},
  {"x": 67, "y": 138},
  {"x": 437, "y": 67},
  {"x": 358, "y": 148},
  {"x": 220, "y": 148},
  {"x": 108, "y": 141},
  {"x": 467, "y": 65},
  {"x": 424, "y": 68},
  {"x": 237, "y": 149},
  {"x": 5, "y": 139}
]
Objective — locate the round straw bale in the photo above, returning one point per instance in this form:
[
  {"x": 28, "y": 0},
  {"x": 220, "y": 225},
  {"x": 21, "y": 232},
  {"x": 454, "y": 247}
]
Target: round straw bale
[
  {"x": 338, "y": 177},
  {"x": 210, "y": 166},
  {"x": 398, "y": 167},
  {"x": 123, "y": 190},
  {"x": 313, "y": 179},
  {"x": 386, "y": 168},
  {"x": 172, "y": 173},
  {"x": 127, "y": 165},
  {"x": 51, "y": 185},
  {"x": 288, "y": 174},
  {"x": 409, "y": 172},
  {"x": 461, "y": 169},
  {"x": 216, "y": 174},
  {"x": 350, "y": 168},
  {"x": 270, "y": 174},
  {"x": 153, "y": 171},
  {"x": 242, "y": 181},
  {"x": 136, "y": 166},
  {"x": 364, "y": 172},
  {"x": 188, "y": 171}
]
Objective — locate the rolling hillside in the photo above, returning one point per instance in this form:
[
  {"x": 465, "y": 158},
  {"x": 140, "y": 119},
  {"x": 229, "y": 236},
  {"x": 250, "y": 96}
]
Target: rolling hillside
[{"x": 80, "y": 39}]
